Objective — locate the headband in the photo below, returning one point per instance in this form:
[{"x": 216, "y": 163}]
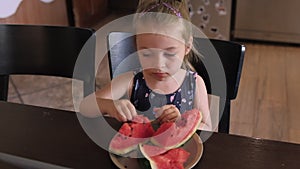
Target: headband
[{"x": 175, "y": 11}]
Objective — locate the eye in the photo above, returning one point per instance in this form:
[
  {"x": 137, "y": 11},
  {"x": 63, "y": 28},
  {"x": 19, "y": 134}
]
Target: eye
[
  {"x": 170, "y": 54},
  {"x": 144, "y": 53}
]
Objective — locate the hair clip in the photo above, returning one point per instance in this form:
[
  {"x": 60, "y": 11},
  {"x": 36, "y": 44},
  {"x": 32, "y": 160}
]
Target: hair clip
[
  {"x": 175, "y": 11},
  {"x": 160, "y": 1}
]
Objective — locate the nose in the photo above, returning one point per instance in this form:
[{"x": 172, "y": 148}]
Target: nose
[{"x": 159, "y": 62}]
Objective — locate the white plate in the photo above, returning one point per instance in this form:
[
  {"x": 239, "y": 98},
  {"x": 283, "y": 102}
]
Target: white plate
[{"x": 194, "y": 146}]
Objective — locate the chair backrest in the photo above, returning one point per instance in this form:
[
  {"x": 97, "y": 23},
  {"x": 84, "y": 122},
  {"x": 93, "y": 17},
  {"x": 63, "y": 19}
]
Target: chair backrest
[
  {"x": 231, "y": 56},
  {"x": 123, "y": 57},
  {"x": 46, "y": 50}
]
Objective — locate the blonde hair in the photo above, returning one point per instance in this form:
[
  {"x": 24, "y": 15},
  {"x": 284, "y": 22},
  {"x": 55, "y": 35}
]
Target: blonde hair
[{"x": 175, "y": 11}]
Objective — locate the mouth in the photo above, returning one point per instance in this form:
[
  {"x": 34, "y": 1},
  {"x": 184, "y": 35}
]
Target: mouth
[{"x": 160, "y": 74}]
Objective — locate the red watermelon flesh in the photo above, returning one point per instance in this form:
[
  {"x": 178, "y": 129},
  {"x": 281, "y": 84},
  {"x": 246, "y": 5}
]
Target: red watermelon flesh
[
  {"x": 131, "y": 134},
  {"x": 140, "y": 119},
  {"x": 171, "y": 159},
  {"x": 174, "y": 135},
  {"x": 164, "y": 127},
  {"x": 179, "y": 154}
]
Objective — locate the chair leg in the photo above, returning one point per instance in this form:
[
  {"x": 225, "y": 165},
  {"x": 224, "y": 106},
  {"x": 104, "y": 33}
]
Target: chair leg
[
  {"x": 225, "y": 119},
  {"x": 4, "y": 81}
]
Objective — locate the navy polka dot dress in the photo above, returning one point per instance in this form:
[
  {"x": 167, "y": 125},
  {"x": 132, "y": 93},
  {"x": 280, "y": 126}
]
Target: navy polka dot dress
[{"x": 144, "y": 99}]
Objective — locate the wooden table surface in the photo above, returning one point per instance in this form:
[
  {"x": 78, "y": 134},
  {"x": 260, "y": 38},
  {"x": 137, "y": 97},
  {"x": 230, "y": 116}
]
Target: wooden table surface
[{"x": 56, "y": 137}]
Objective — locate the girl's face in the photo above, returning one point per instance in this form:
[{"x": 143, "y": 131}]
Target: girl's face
[{"x": 160, "y": 56}]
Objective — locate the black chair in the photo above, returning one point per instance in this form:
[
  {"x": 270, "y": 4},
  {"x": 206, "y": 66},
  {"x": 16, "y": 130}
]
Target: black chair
[
  {"x": 221, "y": 79},
  {"x": 47, "y": 50}
]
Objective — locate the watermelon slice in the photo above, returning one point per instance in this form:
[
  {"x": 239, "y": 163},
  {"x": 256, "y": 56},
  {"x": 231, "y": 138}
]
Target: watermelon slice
[
  {"x": 130, "y": 135},
  {"x": 161, "y": 158},
  {"x": 173, "y": 135},
  {"x": 168, "y": 135},
  {"x": 151, "y": 150}
]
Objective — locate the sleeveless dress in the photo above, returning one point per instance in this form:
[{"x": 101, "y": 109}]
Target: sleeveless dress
[{"x": 144, "y": 99}]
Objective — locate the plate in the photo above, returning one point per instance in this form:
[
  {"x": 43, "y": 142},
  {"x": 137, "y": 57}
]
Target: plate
[{"x": 194, "y": 146}]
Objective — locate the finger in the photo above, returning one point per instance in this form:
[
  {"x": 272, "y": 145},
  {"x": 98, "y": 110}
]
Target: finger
[
  {"x": 127, "y": 113},
  {"x": 167, "y": 106},
  {"x": 164, "y": 117},
  {"x": 170, "y": 114},
  {"x": 171, "y": 117},
  {"x": 166, "y": 110},
  {"x": 158, "y": 111},
  {"x": 120, "y": 117},
  {"x": 132, "y": 110}
]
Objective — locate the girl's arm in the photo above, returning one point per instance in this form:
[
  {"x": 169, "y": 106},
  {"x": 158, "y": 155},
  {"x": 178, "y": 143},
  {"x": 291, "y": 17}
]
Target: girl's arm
[
  {"x": 201, "y": 103},
  {"x": 107, "y": 100}
]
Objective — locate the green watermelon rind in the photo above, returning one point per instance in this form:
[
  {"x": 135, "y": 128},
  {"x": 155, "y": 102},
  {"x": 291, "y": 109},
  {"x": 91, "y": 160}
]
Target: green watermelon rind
[
  {"x": 144, "y": 163},
  {"x": 128, "y": 149},
  {"x": 124, "y": 150},
  {"x": 186, "y": 138},
  {"x": 163, "y": 150},
  {"x": 152, "y": 163}
]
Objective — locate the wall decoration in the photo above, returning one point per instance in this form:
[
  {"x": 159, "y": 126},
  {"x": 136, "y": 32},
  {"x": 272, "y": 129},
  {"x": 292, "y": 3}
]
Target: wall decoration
[
  {"x": 205, "y": 18},
  {"x": 212, "y": 17},
  {"x": 220, "y": 7},
  {"x": 47, "y": 1},
  {"x": 214, "y": 29},
  {"x": 9, "y": 7},
  {"x": 202, "y": 26},
  {"x": 200, "y": 10},
  {"x": 191, "y": 10},
  {"x": 206, "y": 2}
]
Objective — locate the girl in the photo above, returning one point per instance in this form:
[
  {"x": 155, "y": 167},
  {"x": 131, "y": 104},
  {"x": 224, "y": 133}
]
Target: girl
[{"x": 166, "y": 86}]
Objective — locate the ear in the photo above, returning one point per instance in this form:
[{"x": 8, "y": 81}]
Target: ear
[{"x": 189, "y": 45}]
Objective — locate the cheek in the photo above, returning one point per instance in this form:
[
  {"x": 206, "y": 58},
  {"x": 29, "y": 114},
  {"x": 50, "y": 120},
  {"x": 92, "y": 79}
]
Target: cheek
[
  {"x": 175, "y": 64},
  {"x": 146, "y": 62},
  {"x": 179, "y": 59}
]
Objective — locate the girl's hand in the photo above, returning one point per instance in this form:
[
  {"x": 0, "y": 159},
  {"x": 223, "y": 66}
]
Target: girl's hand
[
  {"x": 167, "y": 113},
  {"x": 122, "y": 110}
]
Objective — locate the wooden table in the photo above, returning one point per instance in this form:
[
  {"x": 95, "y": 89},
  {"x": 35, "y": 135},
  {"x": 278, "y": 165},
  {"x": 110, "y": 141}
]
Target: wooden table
[{"x": 56, "y": 137}]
